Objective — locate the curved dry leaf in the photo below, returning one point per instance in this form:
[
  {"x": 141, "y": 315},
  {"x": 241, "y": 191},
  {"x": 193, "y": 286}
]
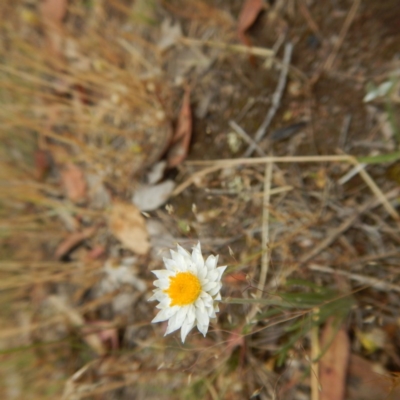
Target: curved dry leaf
[
  {"x": 183, "y": 133},
  {"x": 54, "y": 10},
  {"x": 42, "y": 163},
  {"x": 128, "y": 225},
  {"x": 104, "y": 330},
  {"x": 248, "y": 14},
  {"x": 73, "y": 240},
  {"x": 368, "y": 380},
  {"x": 97, "y": 252},
  {"x": 74, "y": 183},
  {"x": 334, "y": 362}
]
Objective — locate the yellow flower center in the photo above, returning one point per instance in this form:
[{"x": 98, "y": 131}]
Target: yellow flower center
[{"x": 184, "y": 289}]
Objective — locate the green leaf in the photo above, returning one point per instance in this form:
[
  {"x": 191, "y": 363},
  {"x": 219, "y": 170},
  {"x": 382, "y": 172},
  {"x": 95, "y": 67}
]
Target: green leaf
[
  {"x": 302, "y": 282},
  {"x": 383, "y": 158}
]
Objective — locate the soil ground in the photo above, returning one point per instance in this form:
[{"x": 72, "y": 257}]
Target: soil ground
[{"x": 98, "y": 96}]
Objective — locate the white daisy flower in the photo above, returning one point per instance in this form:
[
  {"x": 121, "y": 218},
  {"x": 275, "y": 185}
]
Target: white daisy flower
[{"x": 188, "y": 291}]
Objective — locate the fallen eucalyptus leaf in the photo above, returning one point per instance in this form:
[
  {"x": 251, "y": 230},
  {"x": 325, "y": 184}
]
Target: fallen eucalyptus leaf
[
  {"x": 74, "y": 183},
  {"x": 128, "y": 225},
  {"x": 149, "y": 198}
]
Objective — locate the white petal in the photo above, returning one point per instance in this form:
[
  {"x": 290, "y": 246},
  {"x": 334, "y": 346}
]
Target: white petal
[
  {"x": 217, "y": 288},
  {"x": 203, "y": 320},
  {"x": 200, "y": 304},
  {"x": 213, "y": 275},
  {"x": 221, "y": 271},
  {"x": 191, "y": 314},
  {"x": 165, "y": 314},
  {"x": 202, "y": 317},
  {"x": 182, "y": 313},
  {"x": 203, "y": 329},
  {"x": 162, "y": 273},
  {"x": 162, "y": 283},
  {"x": 176, "y": 320},
  {"x": 197, "y": 257},
  {"x": 172, "y": 326},
  {"x": 186, "y": 328},
  {"x": 218, "y": 296},
  {"x": 192, "y": 267},
  {"x": 169, "y": 264},
  {"x": 179, "y": 260},
  {"x": 202, "y": 273},
  {"x": 206, "y": 297},
  {"x": 152, "y": 298},
  {"x": 211, "y": 262},
  {"x": 159, "y": 295},
  {"x": 182, "y": 251},
  {"x": 164, "y": 303},
  {"x": 210, "y": 285}
]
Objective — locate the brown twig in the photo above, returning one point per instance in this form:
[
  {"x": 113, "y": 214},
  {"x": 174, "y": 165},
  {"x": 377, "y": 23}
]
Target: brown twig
[
  {"x": 244, "y": 135},
  {"x": 365, "y": 280},
  {"x": 236, "y": 48},
  {"x": 343, "y": 32},
  {"x": 328, "y": 64},
  {"x": 309, "y": 19},
  {"x": 265, "y": 238},
  {"x": 276, "y": 99}
]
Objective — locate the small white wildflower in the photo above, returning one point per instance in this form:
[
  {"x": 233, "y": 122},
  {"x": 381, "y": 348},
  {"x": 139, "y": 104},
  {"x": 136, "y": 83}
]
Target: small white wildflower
[{"x": 188, "y": 291}]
